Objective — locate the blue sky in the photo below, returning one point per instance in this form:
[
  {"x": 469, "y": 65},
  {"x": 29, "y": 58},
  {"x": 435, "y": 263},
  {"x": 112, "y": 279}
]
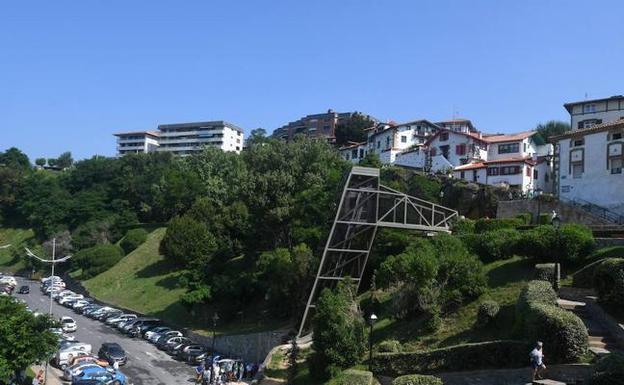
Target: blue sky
[{"x": 74, "y": 72}]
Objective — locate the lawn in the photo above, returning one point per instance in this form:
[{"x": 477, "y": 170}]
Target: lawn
[
  {"x": 17, "y": 238},
  {"x": 506, "y": 279}
]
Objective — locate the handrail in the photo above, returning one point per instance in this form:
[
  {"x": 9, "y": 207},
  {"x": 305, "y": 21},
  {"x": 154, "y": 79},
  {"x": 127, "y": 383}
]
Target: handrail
[{"x": 600, "y": 211}]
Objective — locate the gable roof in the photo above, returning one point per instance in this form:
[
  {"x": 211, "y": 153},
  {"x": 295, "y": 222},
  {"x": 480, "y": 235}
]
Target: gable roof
[
  {"x": 499, "y": 138},
  {"x": 568, "y": 106},
  {"x": 616, "y": 124}
]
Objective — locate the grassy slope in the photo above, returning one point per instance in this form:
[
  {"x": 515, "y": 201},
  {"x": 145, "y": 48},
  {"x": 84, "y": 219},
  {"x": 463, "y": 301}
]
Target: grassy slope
[
  {"x": 506, "y": 279},
  {"x": 144, "y": 282},
  {"x": 16, "y": 238}
]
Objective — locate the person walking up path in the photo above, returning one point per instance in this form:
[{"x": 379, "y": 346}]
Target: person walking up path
[{"x": 537, "y": 361}]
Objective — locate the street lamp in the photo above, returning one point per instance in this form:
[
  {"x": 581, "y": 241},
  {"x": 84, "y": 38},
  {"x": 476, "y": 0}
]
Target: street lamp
[
  {"x": 372, "y": 318},
  {"x": 52, "y": 261},
  {"x": 556, "y": 223},
  {"x": 215, "y": 318}
]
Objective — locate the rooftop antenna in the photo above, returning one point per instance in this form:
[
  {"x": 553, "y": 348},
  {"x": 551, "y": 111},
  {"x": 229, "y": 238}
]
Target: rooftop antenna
[{"x": 586, "y": 95}]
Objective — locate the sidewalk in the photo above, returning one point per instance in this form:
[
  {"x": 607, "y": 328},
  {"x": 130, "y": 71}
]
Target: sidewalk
[{"x": 54, "y": 374}]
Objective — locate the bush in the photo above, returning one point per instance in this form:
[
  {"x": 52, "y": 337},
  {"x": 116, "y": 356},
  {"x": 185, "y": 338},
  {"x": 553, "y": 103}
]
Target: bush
[
  {"x": 487, "y": 312},
  {"x": 484, "y": 224},
  {"x": 97, "y": 259},
  {"x": 539, "y": 318},
  {"x": 133, "y": 239},
  {"x": 608, "y": 252},
  {"x": 389, "y": 346},
  {"x": 464, "y": 226},
  {"x": 483, "y": 355},
  {"x": 497, "y": 244},
  {"x": 609, "y": 282},
  {"x": 525, "y": 217},
  {"x": 609, "y": 370},
  {"x": 546, "y": 272},
  {"x": 573, "y": 244},
  {"x": 417, "y": 379},
  {"x": 584, "y": 278},
  {"x": 544, "y": 219},
  {"x": 352, "y": 377}
]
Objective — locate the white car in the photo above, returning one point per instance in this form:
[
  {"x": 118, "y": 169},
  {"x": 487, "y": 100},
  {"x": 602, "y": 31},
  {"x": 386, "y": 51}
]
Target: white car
[
  {"x": 123, "y": 317},
  {"x": 8, "y": 280},
  {"x": 68, "y": 298},
  {"x": 171, "y": 333},
  {"x": 71, "y": 371},
  {"x": 68, "y": 324},
  {"x": 53, "y": 278},
  {"x": 81, "y": 303},
  {"x": 62, "y": 294},
  {"x": 63, "y": 357}
]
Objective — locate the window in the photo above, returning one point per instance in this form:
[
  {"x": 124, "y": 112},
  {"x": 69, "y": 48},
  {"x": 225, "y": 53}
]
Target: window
[
  {"x": 379, "y": 144},
  {"x": 535, "y": 175},
  {"x": 615, "y": 136},
  {"x": 403, "y": 139},
  {"x": 510, "y": 170},
  {"x": 361, "y": 152},
  {"x": 461, "y": 175},
  {"x": 347, "y": 156},
  {"x": 589, "y": 108},
  {"x": 524, "y": 147},
  {"x": 354, "y": 153},
  {"x": 460, "y": 149},
  {"x": 326, "y": 127},
  {"x": 589, "y": 123},
  {"x": 237, "y": 148},
  {"x": 528, "y": 171},
  {"x": 508, "y": 148},
  {"x": 577, "y": 170},
  {"x": 387, "y": 142},
  {"x": 615, "y": 164},
  {"x": 492, "y": 171},
  {"x": 577, "y": 142},
  {"x": 444, "y": 137}
]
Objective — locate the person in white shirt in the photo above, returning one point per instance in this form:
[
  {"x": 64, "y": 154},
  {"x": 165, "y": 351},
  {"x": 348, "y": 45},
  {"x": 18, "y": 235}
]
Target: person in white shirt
[{"x": 537, "y": 361}]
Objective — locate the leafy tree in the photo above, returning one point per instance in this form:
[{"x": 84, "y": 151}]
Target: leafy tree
[
  {"x": 52, "y": 162},
  {"x": 24, "y": 338},
  {"x": 258, "y": 136},
  {"x": 133, "y": 239},
  {"x": 188, "y": 242},
  {"x": 353, "y": 130},
  {"x": 45, "y": 204},
  {"x": 14, "y": 158},
  {"x": 97, "y": 259},
  {"x": 40, "y": 162},
  {"x": 65, "y": 160},
  {"x": 552, "y": 128},
  {"x": 339, "y": 338},
  {"x": 371, "y": 160}
]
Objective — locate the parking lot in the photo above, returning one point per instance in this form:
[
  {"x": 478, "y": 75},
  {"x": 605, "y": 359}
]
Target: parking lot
[{"x": 146, "y": 364}]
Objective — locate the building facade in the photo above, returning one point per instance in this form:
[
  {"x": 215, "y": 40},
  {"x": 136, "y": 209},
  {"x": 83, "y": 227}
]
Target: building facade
[
  {"x": 588, "y": 113},
  {"x": 183, "y": 138},
  {"x": 316, "y": 126}
]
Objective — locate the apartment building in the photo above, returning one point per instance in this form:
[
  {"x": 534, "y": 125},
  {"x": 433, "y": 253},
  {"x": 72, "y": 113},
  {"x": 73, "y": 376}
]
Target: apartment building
[
  {"x": 183, "y": 138},
  {"x": 589, "y": 158},
  {"x": 321, "y": 125}
]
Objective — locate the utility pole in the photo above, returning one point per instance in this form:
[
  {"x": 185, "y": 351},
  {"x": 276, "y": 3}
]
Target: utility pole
[{"x": 53, "y": 261}]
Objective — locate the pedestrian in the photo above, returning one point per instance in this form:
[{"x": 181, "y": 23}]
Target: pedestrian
[
  {"x": 206, "y": 375},
  {"x": 537, "y": 361},
  {"x": 116, "y": 366},
  {"x": 241, "y": 370},
  {"x": 248, "y": 369},
  {"x": 199, "y": 372},
  {"x": 38, "y": 379}
]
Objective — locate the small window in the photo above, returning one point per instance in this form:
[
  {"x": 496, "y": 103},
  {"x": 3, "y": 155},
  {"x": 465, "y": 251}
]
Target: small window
[
  {"x": 326, "y": 127},
  {"x": 387, "y": 142},
  {"x": 444, "y": 137},
  {"x": 577, "y": 170},
  {"x": 508, "y": 148},
  {"x": 361, "y": 152},
  {"x": 379, "y": 144},
  {"x": 616, "y": 136},
  {"x": 615, "y": 165},
  {"x": 403, "y": 139},
  {"x": 492, "y": 171},
  {"x": 577, "y": 142},
  {"x": 589, "y": 108},
  {"x": 354, "y": 153},
  {"x": 462, "y": 175}
]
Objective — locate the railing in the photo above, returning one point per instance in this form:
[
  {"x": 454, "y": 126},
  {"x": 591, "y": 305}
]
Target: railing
[{"x": 599, "y": 211}]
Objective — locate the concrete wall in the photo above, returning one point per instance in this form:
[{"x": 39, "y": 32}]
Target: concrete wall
[
  {"x": 567, "y": 213},
  {"x": 250, "y": 347}
]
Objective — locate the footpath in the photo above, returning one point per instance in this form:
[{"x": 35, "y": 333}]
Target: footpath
[{"x": 54, "y": 374}]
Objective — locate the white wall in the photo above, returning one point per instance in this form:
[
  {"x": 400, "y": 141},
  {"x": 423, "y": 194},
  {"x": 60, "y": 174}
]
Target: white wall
[
  {"x": 440, "y": 164},
  {"x": 615, "y": 111},
  {"x": 597, "y": 184},
  {"x": 415, "y": 158},
  {"x": 453, "y": 141}
]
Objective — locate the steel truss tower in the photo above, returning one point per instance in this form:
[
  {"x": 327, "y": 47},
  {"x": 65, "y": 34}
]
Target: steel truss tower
[{"x": 364, "y": 206}]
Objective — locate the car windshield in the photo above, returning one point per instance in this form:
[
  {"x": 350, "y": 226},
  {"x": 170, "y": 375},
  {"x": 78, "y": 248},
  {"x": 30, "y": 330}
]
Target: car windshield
[{"x": 68, "y": 321}]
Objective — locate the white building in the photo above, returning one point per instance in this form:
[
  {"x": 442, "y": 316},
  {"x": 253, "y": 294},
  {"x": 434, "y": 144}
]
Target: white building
[
  {"x": 136, "y": 142},
  {"x": 589, "y": 163},
  {"x": 183, "y": 138},
  {"x": 588, "y": 113}
]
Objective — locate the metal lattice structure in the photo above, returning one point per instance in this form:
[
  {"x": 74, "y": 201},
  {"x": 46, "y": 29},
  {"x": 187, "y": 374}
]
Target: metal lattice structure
[{"x": 364, "y": 206}]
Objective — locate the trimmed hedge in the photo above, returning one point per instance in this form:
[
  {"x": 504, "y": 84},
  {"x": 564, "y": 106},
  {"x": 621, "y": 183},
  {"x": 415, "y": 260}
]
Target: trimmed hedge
[
  {"x": 496, "y": 244},
  {"x": 609, "y": 370},
  {"x": 546, "y": 272},
  {"x": 487, "y": 312},
  {"x": 609, "y": 282},
  {"x": 540, "y": 319},
  {"x": 389, "y": 346},
  {"x": 525, "y": 217},
  {"x": 483, "y": 355},
  {"x": 97, "y": 259},
  {"x": 352, "y": 377},
  {"x": 417, "y": 379},
  {"x": 584, "y": 278},
  {"x": 573, "y": 244},
  {"x": 609, "y": 252},
  {"x": 464, "y": 226},
  {"x": 133, "y": 239},
  {"x": 544, "y": 219},
  {"x": 484, "y": 224}
]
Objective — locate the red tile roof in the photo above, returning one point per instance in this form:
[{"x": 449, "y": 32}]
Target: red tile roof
[
  {"x": 498, "y": 138},
  {"x": 616, "y": 124},
  {"x": 470, "y": 166},
  {"x": 527, "y": 159}
]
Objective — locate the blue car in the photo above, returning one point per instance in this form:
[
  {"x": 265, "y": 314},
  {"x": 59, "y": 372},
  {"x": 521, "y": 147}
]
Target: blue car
[{"x": 99, "y": 374}]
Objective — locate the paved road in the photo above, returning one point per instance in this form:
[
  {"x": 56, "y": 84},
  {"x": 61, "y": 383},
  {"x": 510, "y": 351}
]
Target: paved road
[{"x": 146, "y": 364}]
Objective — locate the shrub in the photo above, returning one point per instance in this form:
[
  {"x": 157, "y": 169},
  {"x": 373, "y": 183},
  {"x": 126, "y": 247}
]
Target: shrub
[
  {"x": 573, "y": 244},
  {"x": 484, "y": 224},
  {"x": 464, "y": 226},
  {"x": 525, "y": 217},
  {"x": 133, "y": 239},
  {"x": 585, "y": 277},
  {"x": 577, "y": 242},
  {"x": 352, "y": 377},
  {"x": 97, "y": 259},
  {"x": 538, "y": 318},
  {"x": 417, "y": 379},
  {"x": 546, "y": 272},
  {"x": 483, "y": 355},
  {"x": 544, "y": 219},
  {"x": 487, "y": 312},
  {"x": 497, "y": 244},
  {"x": 608, "y": 252},
  {"x": 609, "y": 282},
  {"x": 609, "y": 370},
  {"x": 389, "y": 346}
]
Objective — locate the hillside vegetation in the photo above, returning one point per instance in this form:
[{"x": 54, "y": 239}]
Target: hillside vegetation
[{"x": 10, "y": 261}]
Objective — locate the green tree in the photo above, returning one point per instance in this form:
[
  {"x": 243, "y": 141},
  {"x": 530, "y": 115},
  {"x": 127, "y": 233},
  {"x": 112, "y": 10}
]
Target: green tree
[
  {"x": 24, "y": 338},
  {"x": 371, "y": 160},
  {"x": 40, "y": 162},
  {"x": 188, "y": 242},
  {"x": 52, "y": 162},
  {"x": 339, "y": 338},
  {"x": 97, "y": 259},
  {"x": 552, "y": 128},
  {"x": 65, "y": 160},
  {"x": 133, "y": 239},
  {"x": 14, "y": 158},
  {"x": 257, "y": 136},
  {"x": 353, "y": 130}
]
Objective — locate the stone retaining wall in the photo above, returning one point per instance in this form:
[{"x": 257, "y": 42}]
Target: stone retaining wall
[
  {"x": 567, "y": 213},
  {"x": 250, "y": 347}
]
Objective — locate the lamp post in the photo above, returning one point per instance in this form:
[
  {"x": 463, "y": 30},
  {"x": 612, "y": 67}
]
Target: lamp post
[
  {"x": 371, "y": 320},
  {"x": 215, "y": 318},
  {"x": 556, "y": 223},
  {"x": 52, "y": 261}
]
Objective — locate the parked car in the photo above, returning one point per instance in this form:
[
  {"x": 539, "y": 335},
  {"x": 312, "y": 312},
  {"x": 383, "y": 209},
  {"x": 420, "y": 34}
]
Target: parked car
[
  {"x": 88, "y": 310},
  {"x": 157, "y": 330},
  {"x": 164, "y": 343},
  {"x": 63, "y": 357},
  {"x": 101, "y": 310},
  {"x": 8, "y": 280},
  {"x": 171, "y": 333},
  {"x": 72, "y": 370},
  {"x": 112, "y": 353},
  {"x": 101, "y": 374},
  {"x": 173, "y": 350},
  {"x": 108, "y": 314},
  {"x": 58, "y": 331},
  {"x": 64, "y": 345},
  {"x": 190, "y": 352},
  {"x": 24, "y": 289},
  {"x": 67, "y": 298},
  {"x": 81, "y": 303},
  {"x": 120, "y": 318},
  {"x": 68, "y": 324},
  {"x": 145, "y": 325}
]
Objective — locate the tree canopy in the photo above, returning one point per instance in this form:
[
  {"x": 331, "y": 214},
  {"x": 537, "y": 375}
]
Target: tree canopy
[
  {"x": 353, "y": 129},
  {"x": 552, "y": 128}
]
